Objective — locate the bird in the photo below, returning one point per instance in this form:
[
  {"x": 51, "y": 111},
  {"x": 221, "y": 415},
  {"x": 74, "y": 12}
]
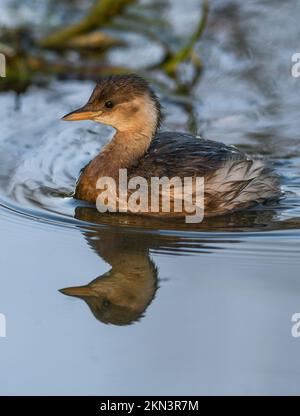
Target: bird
[{"x": 232, "y": 180}]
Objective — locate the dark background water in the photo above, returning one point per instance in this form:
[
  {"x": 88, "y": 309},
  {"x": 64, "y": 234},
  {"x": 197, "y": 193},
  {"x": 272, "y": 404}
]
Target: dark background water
[{"x": 204, "y": 311}]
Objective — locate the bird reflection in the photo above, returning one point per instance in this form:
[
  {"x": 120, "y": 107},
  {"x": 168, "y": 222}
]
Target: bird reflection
[{"x": 122, "y": 295}]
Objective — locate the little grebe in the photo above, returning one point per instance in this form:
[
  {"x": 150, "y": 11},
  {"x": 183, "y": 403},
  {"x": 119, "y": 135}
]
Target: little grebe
[{"x": 127, "y": 103}]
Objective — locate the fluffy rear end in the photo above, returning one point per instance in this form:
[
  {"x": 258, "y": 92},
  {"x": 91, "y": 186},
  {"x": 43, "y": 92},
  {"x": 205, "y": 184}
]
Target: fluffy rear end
[{"x": 240, "y": 184}]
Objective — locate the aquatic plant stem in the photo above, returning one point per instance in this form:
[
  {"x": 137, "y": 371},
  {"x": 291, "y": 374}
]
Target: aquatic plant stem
[
  {"x": 101, "y": 13},
  {"x": 172, "y": 62}
]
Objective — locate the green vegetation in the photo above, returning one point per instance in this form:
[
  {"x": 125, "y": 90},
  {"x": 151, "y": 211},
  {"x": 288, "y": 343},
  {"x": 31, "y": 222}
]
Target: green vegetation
[{"x": 32, "y": 58}]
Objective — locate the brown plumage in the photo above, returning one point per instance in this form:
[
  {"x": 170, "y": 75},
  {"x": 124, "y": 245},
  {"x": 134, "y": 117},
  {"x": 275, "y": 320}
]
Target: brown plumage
[
  {"x": 126, "y": 102},
  {"x": 121, "y": 295}
]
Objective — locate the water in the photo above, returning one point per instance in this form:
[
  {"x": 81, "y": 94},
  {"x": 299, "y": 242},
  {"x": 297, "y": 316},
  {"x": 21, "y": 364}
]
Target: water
[{"x": 200, "y": 310}]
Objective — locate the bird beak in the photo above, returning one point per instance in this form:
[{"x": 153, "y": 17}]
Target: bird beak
[
  {"x": 78, "y": 291},
  {"x": 83, "y": 113}
]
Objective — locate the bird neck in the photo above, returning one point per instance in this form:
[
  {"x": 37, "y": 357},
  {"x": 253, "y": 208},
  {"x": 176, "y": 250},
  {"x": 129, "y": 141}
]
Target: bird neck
[
  {"x": 119, "y": 154},
  {"x": 126, "y": 147}
]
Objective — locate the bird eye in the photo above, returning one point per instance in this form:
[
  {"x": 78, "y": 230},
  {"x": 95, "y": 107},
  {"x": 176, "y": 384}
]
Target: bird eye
[
  {"x": 109, "y": 104},
  {"x": 105, "y": 303}
]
